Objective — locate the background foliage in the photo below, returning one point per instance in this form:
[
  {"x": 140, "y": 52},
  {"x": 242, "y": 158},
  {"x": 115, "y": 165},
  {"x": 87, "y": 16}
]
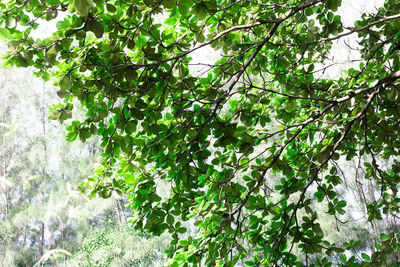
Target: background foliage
[{"x": 44, "y": 220}]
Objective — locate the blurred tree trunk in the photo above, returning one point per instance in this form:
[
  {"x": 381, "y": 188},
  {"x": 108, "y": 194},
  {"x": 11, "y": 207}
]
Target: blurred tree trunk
[{"x": 43, "y": 109}]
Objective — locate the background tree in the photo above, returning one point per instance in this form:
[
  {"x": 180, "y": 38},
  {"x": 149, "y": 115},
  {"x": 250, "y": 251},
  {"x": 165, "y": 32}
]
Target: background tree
[
  {"x": 43, "y": 218},
  {"x": 120, "y": 247},
  {"x": 265, "y": 108},
  {"x": 38, "y": 200}
]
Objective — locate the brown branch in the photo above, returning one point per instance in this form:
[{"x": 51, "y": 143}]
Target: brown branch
[{"x": 351, "y": 31}]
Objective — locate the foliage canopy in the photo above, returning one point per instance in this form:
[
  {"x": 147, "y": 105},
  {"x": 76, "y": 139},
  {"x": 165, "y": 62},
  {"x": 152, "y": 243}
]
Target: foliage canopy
[{"x": 249, "y": 143}]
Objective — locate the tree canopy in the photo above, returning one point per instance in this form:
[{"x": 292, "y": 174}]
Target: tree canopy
[{"x": 247, "y": 144}]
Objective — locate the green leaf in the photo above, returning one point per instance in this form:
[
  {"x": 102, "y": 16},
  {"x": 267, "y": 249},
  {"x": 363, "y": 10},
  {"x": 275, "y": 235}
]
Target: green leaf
[
  {"x": 5, "y": 34},
  {"x": 169, "y": 3},
  {"x": 129, "y": 179},
  {"x": 111, "y": 8},
  {"x": 365, "y": 257},
  {"x": 384, "y": 237},
  {"x": 170, "y": 219},
  {"x": 181, "y": 230},
  {"x": 65, "y": 82},
  {"x": 291, "y": 106},
  {"x": 96, "y": 27},
  {"x": 71, "y": 136},
  {"x": 82, "y": 7},
  {"x": 61, "y": 25},
  {"x": 317, "y": 230},
  {"x": 333, "y": 4},
  {"x": 137, "y": 114},
  {"x": 372, "y": 82},
  {"x": 150, "y": 3},
  {"x": 184, "y": 6},
  {"x": 343, "y": 258}
]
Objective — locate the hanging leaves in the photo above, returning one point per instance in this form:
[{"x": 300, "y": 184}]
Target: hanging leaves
[{"x": 249, "y": 136}]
